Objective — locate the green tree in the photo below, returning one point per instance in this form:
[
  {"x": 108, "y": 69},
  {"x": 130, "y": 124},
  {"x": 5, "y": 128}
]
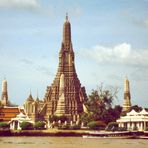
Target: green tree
[
  {"x": 100, "y": 105},
  {"x": 136, "y": 108},
  {"x": 96, "y": 125},
  {"x": 57, "y": 118}
]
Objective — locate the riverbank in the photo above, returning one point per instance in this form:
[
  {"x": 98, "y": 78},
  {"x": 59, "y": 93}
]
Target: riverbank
[
  {"x": 69, "y": 133},
  {"x": 49, "y": 132}
]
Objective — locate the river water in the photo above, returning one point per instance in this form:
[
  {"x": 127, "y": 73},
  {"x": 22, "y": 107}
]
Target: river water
[{"x": 70, "y": 142}]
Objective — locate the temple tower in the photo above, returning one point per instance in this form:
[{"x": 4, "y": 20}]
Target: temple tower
[
  {"x": 70, "y": 99},
  {"x": 4, "y": 97},
  {"x": 127, "y": 96}
]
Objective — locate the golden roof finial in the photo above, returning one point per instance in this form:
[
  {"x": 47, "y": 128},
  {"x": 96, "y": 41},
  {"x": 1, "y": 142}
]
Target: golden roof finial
[{"x": 37, "y": 93}]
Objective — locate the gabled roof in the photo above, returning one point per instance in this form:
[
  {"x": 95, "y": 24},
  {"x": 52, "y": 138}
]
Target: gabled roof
[
  {"x": 21, "y": 117},
  {"x": 132, "y": 113},
  {"x": 30, "y": 98},
  {"x": 143, "y": 112}
]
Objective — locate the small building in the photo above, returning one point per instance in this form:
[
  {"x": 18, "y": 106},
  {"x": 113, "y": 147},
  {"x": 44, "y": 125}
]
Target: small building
[
  {"x": 15, "y": 122},
  {"x": 134, "y": 120},
  {"x": 33, "y": 108}
]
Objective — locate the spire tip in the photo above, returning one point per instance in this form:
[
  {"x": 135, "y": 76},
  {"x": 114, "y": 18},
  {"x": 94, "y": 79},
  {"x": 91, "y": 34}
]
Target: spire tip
[
  {"x": 30, "y": 92},
  {"x": 66, "y": 16}
]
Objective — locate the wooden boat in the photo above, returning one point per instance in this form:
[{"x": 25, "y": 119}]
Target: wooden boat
[
  {"x": 113, "y": 135},
  {"x": 109, "y": 137},
  {"x": 143, "y": 137}
]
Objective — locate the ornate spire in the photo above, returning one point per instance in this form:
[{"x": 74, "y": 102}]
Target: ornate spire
[
  {"x": 37, "y": 98},
  {"x": 4, "y": 97},
  {"x": 126, "y": 85},
  {"x": 30, "y": 98},
  {"x": 66, "y": 16},
  {"x": 127, "y": 96},
  {"x": 65, "y": 96},
  {"x": 61, "y": 102},
  {"x": 67, "y": 33}
]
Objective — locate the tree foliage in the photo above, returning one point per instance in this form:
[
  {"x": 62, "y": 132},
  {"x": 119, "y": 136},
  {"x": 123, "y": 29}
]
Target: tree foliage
[
  {"x": 96, "y": 125},
  {"x": 136, "y": 108},
  {"x": 57, "y": 118},
  {"x": 100, "y": 105}
]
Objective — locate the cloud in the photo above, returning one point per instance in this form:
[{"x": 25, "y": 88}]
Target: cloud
[
  {"x": 28, "y": 4},
  {"x": 26, "y": 61},
  {"x": 119, "y": 54},
  {"x": 34, "y": 65},
  {"x": 143, "y": 22},
  {"x": 44, "y": 69},
  {"x": 139, "y": 74}
]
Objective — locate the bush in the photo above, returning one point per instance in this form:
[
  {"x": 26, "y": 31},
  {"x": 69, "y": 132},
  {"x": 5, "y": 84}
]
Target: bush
[
  {"x": 55, "y": 125},
  {"x": 122, "y": 129},
  {"x": 96, "y": 125},
  {"x": 74, "y": 127},
  {"x": 64, "y": 127},
  {"x": 57, "y": 118},
  {"x": 146, "y": 129},
  {"x": 39, "y": 125},
  {"x": 26, "y": 126},
  {"x": 112, "y": 126},
  {"x": 4, "y": 125}
]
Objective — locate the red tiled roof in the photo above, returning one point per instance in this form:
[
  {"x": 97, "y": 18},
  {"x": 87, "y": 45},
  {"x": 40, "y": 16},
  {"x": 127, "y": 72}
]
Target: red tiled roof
[{"x": 7, "y": 113}]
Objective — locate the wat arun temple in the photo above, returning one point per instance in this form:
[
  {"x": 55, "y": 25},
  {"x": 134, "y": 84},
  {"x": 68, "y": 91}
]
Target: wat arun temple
[{"x": 65, "y": 96}]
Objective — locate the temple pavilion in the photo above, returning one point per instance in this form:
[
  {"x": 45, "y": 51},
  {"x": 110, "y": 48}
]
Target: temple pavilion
[{"x": 134, "y": 120}]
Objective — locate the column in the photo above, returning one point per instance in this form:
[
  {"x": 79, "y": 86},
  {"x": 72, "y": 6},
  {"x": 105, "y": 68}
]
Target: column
[
  {"x": 138, "y": 125},
  {"x": 128, "y": 125},
  {"x": 18, "y": 126},
  {"x": 132, "y": 125},
  {"x": 13, "y": 125},
  {"x": 142, "y": 126}
]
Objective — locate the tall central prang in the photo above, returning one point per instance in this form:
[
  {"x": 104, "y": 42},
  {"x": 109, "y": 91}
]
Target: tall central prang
[{"x": 65, "y": 96}]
